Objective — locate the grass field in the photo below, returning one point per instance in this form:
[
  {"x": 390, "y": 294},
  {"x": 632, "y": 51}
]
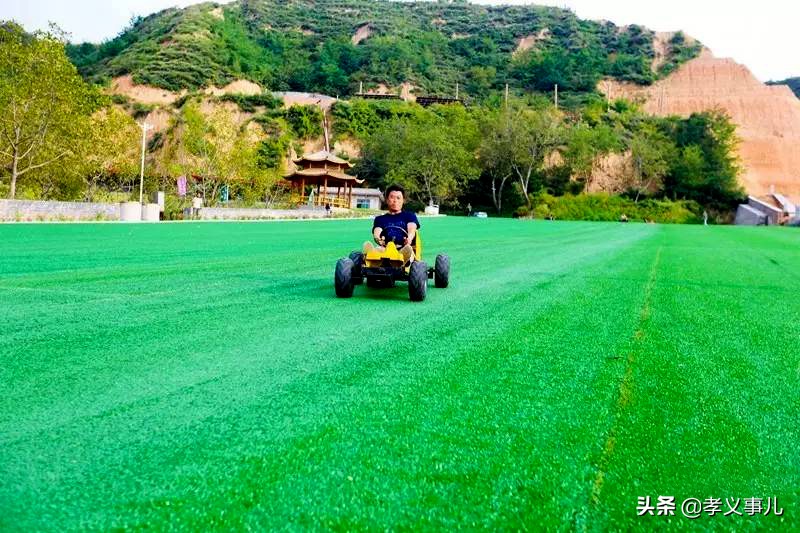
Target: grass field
[{"x": 189, "y": 376}]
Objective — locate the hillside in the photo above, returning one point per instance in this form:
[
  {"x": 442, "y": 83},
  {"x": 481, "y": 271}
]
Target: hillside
[
  {"x": 793, "y": 83},
  {"x": 767, "y": 117},
  {"x": 330, "y": 46}
]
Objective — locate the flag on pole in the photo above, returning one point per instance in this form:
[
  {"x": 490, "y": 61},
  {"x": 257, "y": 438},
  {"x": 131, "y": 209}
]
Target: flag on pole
[{"x": 182, "y": 186}]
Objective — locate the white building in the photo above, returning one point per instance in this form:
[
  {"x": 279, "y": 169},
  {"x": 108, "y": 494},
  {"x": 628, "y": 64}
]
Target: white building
[{"x": 366, "y": 198}]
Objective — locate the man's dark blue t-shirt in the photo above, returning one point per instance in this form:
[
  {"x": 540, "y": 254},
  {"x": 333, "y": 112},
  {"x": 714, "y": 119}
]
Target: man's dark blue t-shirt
[{"x": 392, "y": 224}]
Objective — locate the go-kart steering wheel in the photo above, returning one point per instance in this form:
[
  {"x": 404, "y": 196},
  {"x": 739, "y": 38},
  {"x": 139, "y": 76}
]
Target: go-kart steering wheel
[{"x": 394, "y": 234}]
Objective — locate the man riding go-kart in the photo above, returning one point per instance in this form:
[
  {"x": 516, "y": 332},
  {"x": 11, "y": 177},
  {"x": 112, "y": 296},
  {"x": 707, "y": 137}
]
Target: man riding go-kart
[
  {"x": 397, "y": 256},
  {"x": 397, "y": 226}
]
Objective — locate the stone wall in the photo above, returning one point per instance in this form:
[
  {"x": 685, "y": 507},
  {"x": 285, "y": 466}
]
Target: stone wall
[
  {"x": 35, "y": 210},
  {"x": 38, "y": 210},
  {"x": 234, "y": 213}
]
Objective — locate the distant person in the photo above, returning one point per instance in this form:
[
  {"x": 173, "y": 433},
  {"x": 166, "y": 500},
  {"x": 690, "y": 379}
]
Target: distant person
[
  {"x": 705, "y": 217},
  {"x": 197, "y": 205},
  {"x": 469, "y": 209},
  {"x": 396, "y": 226},
  {"x": 328, "y": 209},
  {"x": 623, "y": 217}
]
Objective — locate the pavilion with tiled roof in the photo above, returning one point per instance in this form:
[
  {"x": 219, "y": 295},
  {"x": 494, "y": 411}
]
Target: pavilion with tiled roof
[{"x": 325, "y": 171}]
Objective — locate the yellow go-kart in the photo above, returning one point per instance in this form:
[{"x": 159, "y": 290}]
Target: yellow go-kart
[{"x": 382, "y": 268}]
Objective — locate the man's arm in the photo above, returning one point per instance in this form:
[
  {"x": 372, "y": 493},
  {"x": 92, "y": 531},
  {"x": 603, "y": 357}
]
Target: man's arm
[
  {"x": 376, "y": 235},
  {"x": 377, "y": 228},
  {"x": 412, "y": 226},
  {"x": 412, "y": 232}
]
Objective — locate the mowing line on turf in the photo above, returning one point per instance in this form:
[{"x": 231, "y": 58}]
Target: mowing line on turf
[{"x": 625, "y": 390}]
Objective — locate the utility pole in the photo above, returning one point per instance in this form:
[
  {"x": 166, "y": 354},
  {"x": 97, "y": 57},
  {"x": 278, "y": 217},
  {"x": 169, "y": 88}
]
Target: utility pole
[
  {"x": 324, "y": 126},
  {"x": 456, "y": 90},
  {"x": 325, "y": 130},
  {"x": 555, "y": 96},
  {"x": 506, "y": 96},
  {"x": 145, "y": 127}
]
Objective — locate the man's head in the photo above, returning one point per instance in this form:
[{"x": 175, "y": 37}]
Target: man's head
[{"x": 395, "y": 196}]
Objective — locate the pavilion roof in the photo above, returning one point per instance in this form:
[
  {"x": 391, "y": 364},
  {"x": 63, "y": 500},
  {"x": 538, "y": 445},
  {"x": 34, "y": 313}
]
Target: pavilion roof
[
  {"x": 315, "y": 175},
  {"x": 322, "y": 155}
]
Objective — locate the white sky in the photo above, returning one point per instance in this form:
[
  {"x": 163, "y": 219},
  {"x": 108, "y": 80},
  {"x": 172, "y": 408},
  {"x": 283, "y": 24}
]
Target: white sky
[{"x": 761, "y": 35}]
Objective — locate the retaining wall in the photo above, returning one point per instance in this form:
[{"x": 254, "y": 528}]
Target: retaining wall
[{"x": 32, "y": 210}]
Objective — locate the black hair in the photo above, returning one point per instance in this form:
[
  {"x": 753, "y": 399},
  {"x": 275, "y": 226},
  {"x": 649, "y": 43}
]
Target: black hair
[{"x": 397, "y": 188}]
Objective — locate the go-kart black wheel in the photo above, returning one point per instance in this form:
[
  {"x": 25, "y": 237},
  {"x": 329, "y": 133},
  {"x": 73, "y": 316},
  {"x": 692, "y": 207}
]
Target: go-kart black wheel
[
  {"x": 343, "y": 279},
  {"x": 441, "y": 272},
  {"x": 358, "y": 262},
  {"x": 417, "y": 281}
]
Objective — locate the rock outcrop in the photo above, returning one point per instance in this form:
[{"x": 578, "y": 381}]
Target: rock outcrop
[{"x": 767, "y": 117}]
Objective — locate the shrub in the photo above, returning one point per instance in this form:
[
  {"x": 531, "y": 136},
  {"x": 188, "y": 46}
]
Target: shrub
[
  {"x": 605, "y": 207},
  {"x": 249, "y": 103},
  {"x": 142, "y": 110}
]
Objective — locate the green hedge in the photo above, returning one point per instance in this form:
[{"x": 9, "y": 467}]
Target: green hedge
[{"x": 606, "y": 207}]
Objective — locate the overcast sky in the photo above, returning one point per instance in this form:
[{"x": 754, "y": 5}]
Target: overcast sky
[{"x": 761, "y": 35}]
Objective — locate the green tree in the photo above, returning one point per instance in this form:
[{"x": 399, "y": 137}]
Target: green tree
[
  {"x": 305, "y": 120},
  {"x": 221, "y": 151},
  {"x": 535, "y": 135},
  {"x": 494, "y": 153},
  {"x": 480, "y": 80},
  {"x": 542, "y": 70},
  {"x": 432, "y": 159},
  {"x": 708, "y": 167},
  {"x": 690, "y": 167},
  {"x": 272, "y": 152},
  {"x": 112, "y": 151},
  {"x": 651, "y": 151},
  {"x": 585, "y": 147},
  {"x": 45, "y": 106}
]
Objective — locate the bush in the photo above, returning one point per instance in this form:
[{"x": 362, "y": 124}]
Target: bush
[
  {"x": 605, "y": 207},
  {"x": 174, "y": 206},
  {"x": 305, "y": 121},
  {"x": 359, "y": 118},
  {"x": 249, "y": 103},
  {"x": 120, "y": 99},
  {"x": 141, "y": 110}
]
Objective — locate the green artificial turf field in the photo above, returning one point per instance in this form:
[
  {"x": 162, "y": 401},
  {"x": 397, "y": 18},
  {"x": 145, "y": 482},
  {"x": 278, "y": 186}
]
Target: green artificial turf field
[{"x": 200, "y": 375}]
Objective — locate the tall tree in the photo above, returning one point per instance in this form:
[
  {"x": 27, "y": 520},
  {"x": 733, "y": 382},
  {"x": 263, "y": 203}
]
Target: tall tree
[
  {"x": 45, "y": 106},
  {"x": 651, "y": 152},
  {"x": 585, "y": 147},
  {"x": 432, "y": 157},
  {"x": 220, "y": 151},
  {"x": 495, "y": 154},
  {"x": 535, "y": 135},
  {"x": 113, "y": 151},
  {"x": 707, "y": 167},
  {"x": 433, "y": 165}
]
